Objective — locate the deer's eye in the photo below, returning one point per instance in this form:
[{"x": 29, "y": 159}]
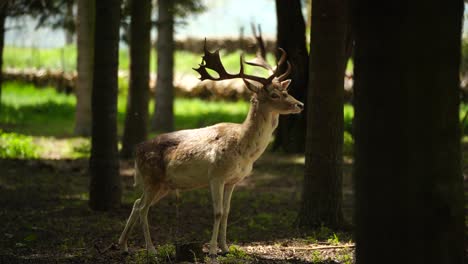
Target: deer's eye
[{"x": 274, "y": 96}]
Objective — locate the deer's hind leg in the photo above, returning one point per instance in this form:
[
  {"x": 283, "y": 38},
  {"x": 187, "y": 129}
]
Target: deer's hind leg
[
  {"x": 130, "y": 223},
  {"x": 150, "y": 197}
]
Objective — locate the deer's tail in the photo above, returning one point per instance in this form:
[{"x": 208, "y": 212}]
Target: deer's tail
[{"x": 137, "y": 176}]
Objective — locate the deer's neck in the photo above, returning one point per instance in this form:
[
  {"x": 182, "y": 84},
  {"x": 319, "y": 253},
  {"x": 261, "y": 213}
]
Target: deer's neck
[{"x": 257, "y": 130}]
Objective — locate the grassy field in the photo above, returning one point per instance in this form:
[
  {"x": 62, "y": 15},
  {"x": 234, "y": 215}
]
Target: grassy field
[{"x": 65, "y": 59}]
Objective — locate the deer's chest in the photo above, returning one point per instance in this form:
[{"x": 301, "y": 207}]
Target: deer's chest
[{"x": 238, "y": 170}]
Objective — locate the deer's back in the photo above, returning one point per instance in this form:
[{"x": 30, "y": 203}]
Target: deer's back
[{"x": 188, "y": 159}]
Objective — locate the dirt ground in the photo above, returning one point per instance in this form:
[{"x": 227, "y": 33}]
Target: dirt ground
[{"x": 45, "y": 217}]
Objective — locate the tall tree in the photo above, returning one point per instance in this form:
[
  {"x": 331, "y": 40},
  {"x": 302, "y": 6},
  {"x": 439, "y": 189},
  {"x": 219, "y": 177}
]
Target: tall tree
[
  {"x": 168, "y": 11},
  {"x": 322, "y": 187},
  {"x": 163, "y": 119},
  {"x": 408, "y": 180},
  {"x": 85, "y": 45},
  {"x": 136, "y": 119},
  {"x": 105, "y": 186},
  {"x": 290, "y": 134}
]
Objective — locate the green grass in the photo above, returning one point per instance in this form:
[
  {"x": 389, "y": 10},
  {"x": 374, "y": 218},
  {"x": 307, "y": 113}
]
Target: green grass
[
  {"x": 28, "y": 110},
  {"x": 14, "y": 145},
  {"x": 65, "y": 59}
]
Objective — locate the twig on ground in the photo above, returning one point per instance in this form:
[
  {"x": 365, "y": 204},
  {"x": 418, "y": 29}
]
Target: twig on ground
[
  {"x": 322, "y": 247},
  {"x": 111, "y": 246}
]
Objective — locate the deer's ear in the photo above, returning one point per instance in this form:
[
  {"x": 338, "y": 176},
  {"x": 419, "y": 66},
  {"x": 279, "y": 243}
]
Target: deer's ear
[
  {"x": 285, "y": 84},
  {"x": 252, "y": 87}
]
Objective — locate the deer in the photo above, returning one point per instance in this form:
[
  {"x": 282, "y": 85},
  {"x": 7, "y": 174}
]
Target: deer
[{"x": 217, "y": 156}]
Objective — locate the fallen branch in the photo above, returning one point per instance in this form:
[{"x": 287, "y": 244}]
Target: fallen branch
[{"x": 322, "y": 247}]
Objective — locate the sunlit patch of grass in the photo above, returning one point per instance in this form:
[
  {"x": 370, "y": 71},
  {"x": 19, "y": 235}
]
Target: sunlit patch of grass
[
  {"x": 13, "y": 145},
  {"x": 29, "y": 110},
  {"x": 40, "y": 58},
  {"x": 36, "y": 111},
  {"x": 66, "y": 148},
  {"x": 348, "y": 115},
  {"x": 193, "y": 113},
  {"x": 65, "y": 59}
]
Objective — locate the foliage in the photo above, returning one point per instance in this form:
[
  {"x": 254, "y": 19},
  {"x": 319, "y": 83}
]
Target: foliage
[
  {"x": 13, "y": 145},
  {"x": 51, "y": 13},
  {"x": 184, "y": 8},
  {"x": 234, "y": 256},
  {"x": 326, "y": 234}
]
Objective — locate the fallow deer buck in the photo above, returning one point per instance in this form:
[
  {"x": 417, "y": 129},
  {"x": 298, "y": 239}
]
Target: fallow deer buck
[{"x": 217, "y": 156}]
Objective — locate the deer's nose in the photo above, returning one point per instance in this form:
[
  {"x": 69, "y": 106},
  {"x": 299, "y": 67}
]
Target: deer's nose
[{"x": 300, "y": 106}]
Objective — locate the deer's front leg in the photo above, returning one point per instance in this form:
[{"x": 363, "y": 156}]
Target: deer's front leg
[
  {"x": 228, "y": 189},
  {"x": 217, "y": 188}
]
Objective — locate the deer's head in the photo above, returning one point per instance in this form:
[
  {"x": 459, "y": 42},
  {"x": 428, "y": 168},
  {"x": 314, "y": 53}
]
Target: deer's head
[{"x": 271, "y": 92}]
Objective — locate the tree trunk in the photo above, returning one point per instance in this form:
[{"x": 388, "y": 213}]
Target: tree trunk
[
  {"x": 3, "y": 9},
  {"x": 85, "y": 41},
  {"x": 290, "y": 134},
  {"x": 322, "y": 188},
  {"x": 163, "y": 119},
  {"x": 137, "y": 104},
  {"x": 408, "y": 181},
  {"x": 105, "y": 186},
  {"x": 69, "y": 22}
]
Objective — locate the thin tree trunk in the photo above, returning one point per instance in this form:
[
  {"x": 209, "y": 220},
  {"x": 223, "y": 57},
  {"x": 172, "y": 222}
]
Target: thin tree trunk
[
  {"x": 3, "y": 9},
  {"x": 105, "y": 185},
  {"x": 408, "y": 180},
  {"x": 85, "y": 45},
  {"x": 163, "y": 119},
  {"x": 137, "y": 104},
  {"x": 322, "y": 187},
  {"x": 290, "y": 134},
  {"x": 69, "y": 20}
]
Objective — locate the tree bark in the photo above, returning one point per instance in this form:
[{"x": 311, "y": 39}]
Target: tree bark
[
  {"x": 3, "y": 14},
  {"x": 85, "y": 41},
  {"x": 408, "y": 180},
  {"x": 290, "y": 134},
  {"x": 135, "y": 130},
  {"x": 163, "y": 119},
  {"x": 105, "y": 185},
  {"x": 322, "y": 187}
]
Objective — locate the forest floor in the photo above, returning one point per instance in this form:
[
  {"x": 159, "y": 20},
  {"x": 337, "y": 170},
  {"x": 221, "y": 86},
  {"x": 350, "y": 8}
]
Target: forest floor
[{"x": 46, "y": 218}]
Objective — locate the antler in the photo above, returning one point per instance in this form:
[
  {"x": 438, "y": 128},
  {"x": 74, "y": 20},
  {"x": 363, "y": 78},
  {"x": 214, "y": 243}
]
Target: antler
[
  {"x": 260, "y": 59},
  {"x": 211, "y": 60},
  {"x": 280, "y": 62}
]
